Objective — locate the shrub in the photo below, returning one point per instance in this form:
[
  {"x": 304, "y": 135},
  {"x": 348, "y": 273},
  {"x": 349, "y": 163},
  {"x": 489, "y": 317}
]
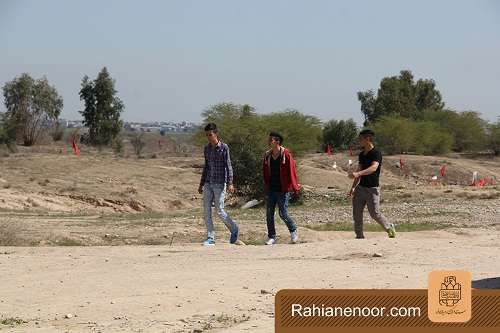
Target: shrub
[
  {"x": 395, "y": 135},
  {"x": 138, "y": 142},
  {"x": 246, "y": 134},
  {"x": 340, "y": 133},
  {"x": 58, "y": 132},
  {"x": 117, "y": 145}
]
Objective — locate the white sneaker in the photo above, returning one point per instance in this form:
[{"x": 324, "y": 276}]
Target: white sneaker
[
  {"x": 294, "y": 237},
  {"x": 271, "y": 241}
]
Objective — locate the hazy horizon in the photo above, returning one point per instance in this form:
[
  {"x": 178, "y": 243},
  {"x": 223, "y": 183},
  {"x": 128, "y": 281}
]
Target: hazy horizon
[{"x": 172, "y": 59}]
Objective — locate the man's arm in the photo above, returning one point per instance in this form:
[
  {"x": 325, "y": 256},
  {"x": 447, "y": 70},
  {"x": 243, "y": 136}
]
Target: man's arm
[
  {"x": 368, "y": 171},
  {"x": 293, "y": 174},
  {"x": 204, "y": 173},
  {"x": 229, "y": 169}
]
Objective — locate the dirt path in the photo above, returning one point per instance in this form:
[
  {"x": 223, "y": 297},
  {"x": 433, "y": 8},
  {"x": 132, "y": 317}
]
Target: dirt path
[{"x": 184, "y": 288}]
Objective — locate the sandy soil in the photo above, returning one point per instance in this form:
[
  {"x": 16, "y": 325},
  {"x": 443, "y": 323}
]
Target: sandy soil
[
  {"x": 113, "y": 243},
  {"x": 189, "y": 288}
]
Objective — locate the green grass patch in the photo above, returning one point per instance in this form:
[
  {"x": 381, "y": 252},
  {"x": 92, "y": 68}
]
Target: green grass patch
[
  {"x": 402, "y": 227},
  {"x": 256, "y": 242}
]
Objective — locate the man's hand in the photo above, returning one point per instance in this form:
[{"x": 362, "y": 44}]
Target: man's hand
[
  {"x": 231, "y": 188},
  {"x": 351, "y": 192},
  {"x": 200, "y": 189},
  {"x": 353, "y": 175}
]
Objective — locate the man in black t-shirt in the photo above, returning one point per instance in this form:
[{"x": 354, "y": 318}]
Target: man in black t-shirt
[{"x": 365, "y": 190}]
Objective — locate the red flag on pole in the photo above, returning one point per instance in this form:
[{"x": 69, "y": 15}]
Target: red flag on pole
[
  {"x": 442, "y": 170},
  {"x": 75, "y": 147},
  {"x": 350, "y": 150},
  {"x": 329, "y": 150}
]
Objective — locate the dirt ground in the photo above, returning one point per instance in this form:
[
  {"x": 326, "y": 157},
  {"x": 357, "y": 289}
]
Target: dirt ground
[
  {"x": 111, "y": 244},
  {"x": 188, "y": 288}
]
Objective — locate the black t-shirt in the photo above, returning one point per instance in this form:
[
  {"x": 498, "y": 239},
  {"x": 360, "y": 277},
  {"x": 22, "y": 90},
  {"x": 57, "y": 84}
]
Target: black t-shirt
[
  {"x": 275, "y": 181},
  {"x": 365, "y": 161}
]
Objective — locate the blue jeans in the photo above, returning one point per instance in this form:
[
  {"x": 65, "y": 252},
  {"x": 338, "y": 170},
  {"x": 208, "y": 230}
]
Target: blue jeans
[
  {"x": 281, "y": 199},
  {"x": 215, "y": 193}
]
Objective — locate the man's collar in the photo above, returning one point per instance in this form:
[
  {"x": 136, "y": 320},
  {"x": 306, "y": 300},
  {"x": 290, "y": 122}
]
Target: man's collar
[{"x": 218, "y": 145}]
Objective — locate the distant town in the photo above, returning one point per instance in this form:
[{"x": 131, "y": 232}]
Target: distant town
[{"x": 156, "y": 126}]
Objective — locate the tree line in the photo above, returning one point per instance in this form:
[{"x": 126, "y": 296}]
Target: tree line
[
  {"x": 408, "y": 116},
  {"x": 33, "y": 107}
]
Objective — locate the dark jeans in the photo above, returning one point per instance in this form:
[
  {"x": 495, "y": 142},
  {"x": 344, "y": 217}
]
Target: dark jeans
[{"x": 281, "y": 199}]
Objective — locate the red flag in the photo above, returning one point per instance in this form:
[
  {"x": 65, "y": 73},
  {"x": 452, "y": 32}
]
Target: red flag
[
  {"x": 329, "y": 150},
  {"x": 350, "y": 150},
  {"x": 75, "y": 148},
  {"x": 442, "y": 170}
]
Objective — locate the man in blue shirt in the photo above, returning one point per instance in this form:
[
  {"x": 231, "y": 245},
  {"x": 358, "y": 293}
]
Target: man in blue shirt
[{"x": 217, "y": 175}]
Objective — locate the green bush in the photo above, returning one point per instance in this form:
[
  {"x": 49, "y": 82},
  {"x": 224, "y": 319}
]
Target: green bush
[
  {"x": 57, "y": 132},
  {"x": 467, "y": 128},
  {"x": 494, "y": 138},
  {"x": 246, "y": 134},
  {"x": 431, "y": 139},
  {"x": 340, "y": 133},
  {"x": 397, "y": 135}
]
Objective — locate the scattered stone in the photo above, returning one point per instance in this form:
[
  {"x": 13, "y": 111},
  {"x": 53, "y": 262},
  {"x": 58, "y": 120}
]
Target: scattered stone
[
  {"x": 265, "y": 292},
  {"x": 251, "y": 203},
  {"x": 69, "y": 316},
  {"x": 377, "y": 255}
]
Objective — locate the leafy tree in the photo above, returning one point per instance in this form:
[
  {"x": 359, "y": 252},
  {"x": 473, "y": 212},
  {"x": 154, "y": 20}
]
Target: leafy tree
[
  {"x": 340, "y": 133},
  {"x": 302, "y": 132},
  {"x": 57, "y": 132},
  {"x": 246, "y": 133},
  {"x": 394, "y": 134},
  {"x": 397, "y": 135},
  {"x": 241, "y": 128},
  {"x": 32, "y": 106},
  {"x": 102, "y": 108},
  {"x": 431, "y": 139},
  {"x": 467, "y": 128},
  {"x": 137, "y": 141},
  {"x": 400, "y": 96},
  {"x": 494, "y": 138}
]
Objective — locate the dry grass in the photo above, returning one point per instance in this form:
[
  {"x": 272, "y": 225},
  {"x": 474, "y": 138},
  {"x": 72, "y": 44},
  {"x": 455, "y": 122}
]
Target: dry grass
[{"x": 10, "y": 234}]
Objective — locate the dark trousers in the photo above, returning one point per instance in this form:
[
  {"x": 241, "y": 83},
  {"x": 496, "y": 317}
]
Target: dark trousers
[{"x": 281, "y": 199}]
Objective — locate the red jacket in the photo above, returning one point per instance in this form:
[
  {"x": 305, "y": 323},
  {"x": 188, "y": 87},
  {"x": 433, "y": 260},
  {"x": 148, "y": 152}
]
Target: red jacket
[{"x": 288, "y": 174}]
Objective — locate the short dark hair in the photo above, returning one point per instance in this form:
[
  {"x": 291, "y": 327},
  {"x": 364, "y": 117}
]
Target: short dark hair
[
  {"x": 367, "y": 134},
  {"x": 211, "y": 127},
  {"x": 277, "y": 136}
]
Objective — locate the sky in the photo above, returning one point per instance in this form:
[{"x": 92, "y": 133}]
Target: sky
[{"x": 173, "y": 59}]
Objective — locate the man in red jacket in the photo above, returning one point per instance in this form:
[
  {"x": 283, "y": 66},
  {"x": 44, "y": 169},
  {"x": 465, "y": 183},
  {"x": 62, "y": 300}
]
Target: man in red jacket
[{"x": 280, "y": 179}]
